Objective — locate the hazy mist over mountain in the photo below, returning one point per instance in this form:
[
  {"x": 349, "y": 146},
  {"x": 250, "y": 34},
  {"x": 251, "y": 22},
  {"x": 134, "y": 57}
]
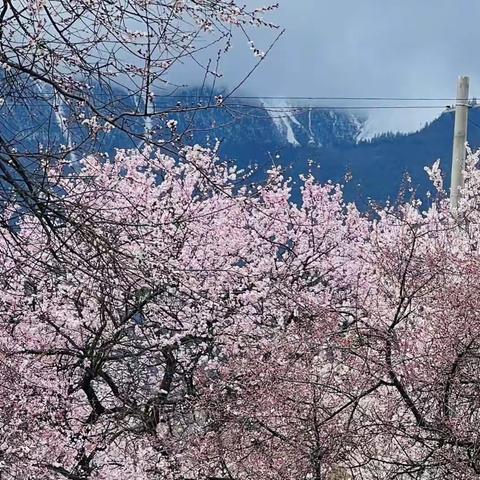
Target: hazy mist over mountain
[{"x": 363, "y": 49}]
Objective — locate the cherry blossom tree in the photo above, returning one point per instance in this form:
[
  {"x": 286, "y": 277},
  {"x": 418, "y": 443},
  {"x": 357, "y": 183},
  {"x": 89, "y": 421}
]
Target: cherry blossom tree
[
  {"x": 108, "y": 315},
  {"x": 375, "y": 375},
  {"x": 105, "y": 316},
  {"x": 182, "y": 324}
]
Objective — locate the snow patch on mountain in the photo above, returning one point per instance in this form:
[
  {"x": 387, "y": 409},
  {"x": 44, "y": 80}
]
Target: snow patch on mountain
[
  {"x": 60, "y": 115},
  {"x": 382, "y": 121},
  {"x": 283, "y": 119},
  {"x": 289, "y": 117},
  {"x": 311, "y": 140}
]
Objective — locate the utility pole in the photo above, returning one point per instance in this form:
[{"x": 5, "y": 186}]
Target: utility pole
[{"x": 459, "y": 140}]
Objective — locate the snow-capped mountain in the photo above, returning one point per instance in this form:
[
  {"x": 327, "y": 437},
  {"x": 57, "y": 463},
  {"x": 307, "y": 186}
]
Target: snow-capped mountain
[
  {"x": 265, "y": 122},
  {"x": 329, "y": 143},
  {"x": 309, "y": 125}
]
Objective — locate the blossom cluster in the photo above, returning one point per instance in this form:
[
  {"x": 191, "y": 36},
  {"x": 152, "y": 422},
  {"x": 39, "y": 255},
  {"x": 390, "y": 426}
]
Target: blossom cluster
[{"x": 168, "y": 320}]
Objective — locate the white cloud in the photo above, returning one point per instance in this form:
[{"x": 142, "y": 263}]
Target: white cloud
[{"x": 370, "y": 48}]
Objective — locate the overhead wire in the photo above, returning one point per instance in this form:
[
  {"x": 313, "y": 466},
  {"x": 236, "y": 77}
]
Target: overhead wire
[
  {"x": 298, "y": 107},
  {"x": 283, "y": 97},
  {"x": 339, "y": 107}
]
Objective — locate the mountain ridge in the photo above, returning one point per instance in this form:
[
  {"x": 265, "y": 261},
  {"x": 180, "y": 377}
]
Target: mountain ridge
[{"x": 327, "y": 143}]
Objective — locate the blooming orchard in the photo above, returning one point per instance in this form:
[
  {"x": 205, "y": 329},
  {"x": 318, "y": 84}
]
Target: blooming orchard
[{"x": 166, "y": 320}]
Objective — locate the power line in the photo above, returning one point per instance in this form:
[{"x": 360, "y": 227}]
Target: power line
[
  {"x": 286, "y": 108},
  {"x": 338, "y": 107},
  {"x": 258, "y": 97},
  {"x": 278, "y": 97}
]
